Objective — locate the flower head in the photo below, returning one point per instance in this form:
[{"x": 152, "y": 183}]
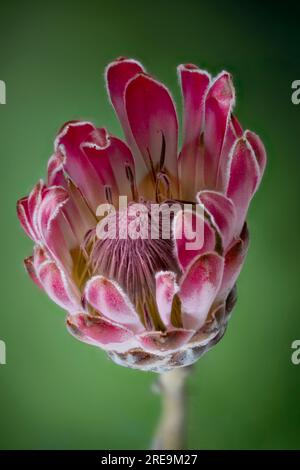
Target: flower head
[{"x": 141, "y": 244}]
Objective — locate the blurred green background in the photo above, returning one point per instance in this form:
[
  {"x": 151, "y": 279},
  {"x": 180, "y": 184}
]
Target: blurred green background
[{"x": 58, "y": 393}]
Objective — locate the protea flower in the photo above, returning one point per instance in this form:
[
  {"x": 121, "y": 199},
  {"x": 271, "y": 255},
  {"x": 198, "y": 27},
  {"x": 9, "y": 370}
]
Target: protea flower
[{"x": 151, "y": 304}]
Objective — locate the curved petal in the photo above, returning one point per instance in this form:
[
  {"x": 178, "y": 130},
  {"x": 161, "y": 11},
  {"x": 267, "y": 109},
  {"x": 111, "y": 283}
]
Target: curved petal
[
  {"x": 165, "y": 342},
  {"x": 100, "y": 332},
  {"x": 30, "y": 268},
  {"x": 109, "y": 300},
  {"x": 234, "y": 260},
  {"x": 118, "y": 74},
  {"x": 194, "y": 84},
  {"x": 199, "y": 288},
  {"x": 24, "y": 218},
  {"x": 56, "y": 285},
  {"x": 55, "y": 170},
  {"x": 34, "y": 202},
  {"x": 259, "y": 152},
  {"x": 55, "y": 231},
  {"x": 242, "y": 177},
  {"x": 153, "y": 121},
  {"x": 218, "y": 106},
  {"x": 114, "y": 163},
  {"x": 222, "y": 212},
  {"x": 233, "y": 132},
  {"x": 193, "y": 236},
  {"x": 166, "y": 288},
  {"x": 54, "y": 199},
  {"x": 69, "y": 144}
]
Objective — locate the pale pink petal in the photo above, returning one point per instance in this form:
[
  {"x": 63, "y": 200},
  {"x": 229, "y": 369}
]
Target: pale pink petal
[
  {"x": 165, "y": 342},
  {"x": 234, "y": 260},
  {"x": 54, "y": 199},
  {"x": 100, "y": 332},
  {"x": 218, "y": 106},
  {"x": 55, "y": 170},
  {"x": 34, "y": 202},
  {"x": 29, "y": 266},
  {"x": 40, "y": 255},
  {"x": 222, "y": 212},
  {"x": 193, "y": 236},
  {"x": 24, "y": 218},
  {"x": 153, "y": 121},
  {"x": 243, "y": 177},
  {"x": 54, "y": 228},
  {"x": 166, "y": 288},
  {"x": 56, "y": 285},
  {"x": 77, "y": 211},
  {"x": 194, "y": 84},
  {"x": 199, "y": 287},
  {"x": 109, "y": 300}
]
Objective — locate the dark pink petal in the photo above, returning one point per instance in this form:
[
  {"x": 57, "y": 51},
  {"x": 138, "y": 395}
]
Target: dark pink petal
[
  {"x": 233, "y": 132},
  {"x": 55, "y": 170},
  {"x": 100, "y": 332},
  {"x": 199, "y": 288},
  {"x": 56, "y": 285},
  {"x": 109, "y": 300},
  {"x": 222, "y": 212},
  {"x": 238, "y": 130},
  {"x": 166, "y": 288},
  {"x": 259, "y": 152},
  {"x": 24, "y": 218},
  {"x": 243, "y": 177},
  {"x": 114, "y": 163},
  {"x": 194, "y": 84},
  {"x": 118, "y": 75},
  {"x": 29, "y": 266},
  {"x": 153, "y": 121},
  {"x": 69, "y": 144},
  {"x": 193, "y": 236},
  {"x": 234, "y": 260},
  {"x": 165, "y": 342},
  {"x": 218, "y": 106}
]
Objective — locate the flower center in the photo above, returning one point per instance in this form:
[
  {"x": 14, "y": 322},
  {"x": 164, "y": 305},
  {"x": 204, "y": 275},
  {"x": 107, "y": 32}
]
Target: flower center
[{"x": 130, "y": 246}]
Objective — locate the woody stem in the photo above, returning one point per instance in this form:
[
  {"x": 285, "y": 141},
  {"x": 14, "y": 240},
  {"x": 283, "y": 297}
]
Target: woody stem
[{"x": 170, "y": 434}]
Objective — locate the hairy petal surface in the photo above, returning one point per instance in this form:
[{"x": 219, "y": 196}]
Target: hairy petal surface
[
  {"x": 199, "y": 288},
  {"x": 108, "y": 299}
]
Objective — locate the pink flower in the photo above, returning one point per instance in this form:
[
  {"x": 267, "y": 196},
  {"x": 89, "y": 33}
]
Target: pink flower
[{"x": 152, "y": 304}]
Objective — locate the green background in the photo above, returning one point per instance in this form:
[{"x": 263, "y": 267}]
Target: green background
[{"x": 58, "y": 393}]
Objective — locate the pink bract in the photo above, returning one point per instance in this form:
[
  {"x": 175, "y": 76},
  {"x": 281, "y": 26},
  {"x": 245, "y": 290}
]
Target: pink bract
[{"x": 150, "y": 304}]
